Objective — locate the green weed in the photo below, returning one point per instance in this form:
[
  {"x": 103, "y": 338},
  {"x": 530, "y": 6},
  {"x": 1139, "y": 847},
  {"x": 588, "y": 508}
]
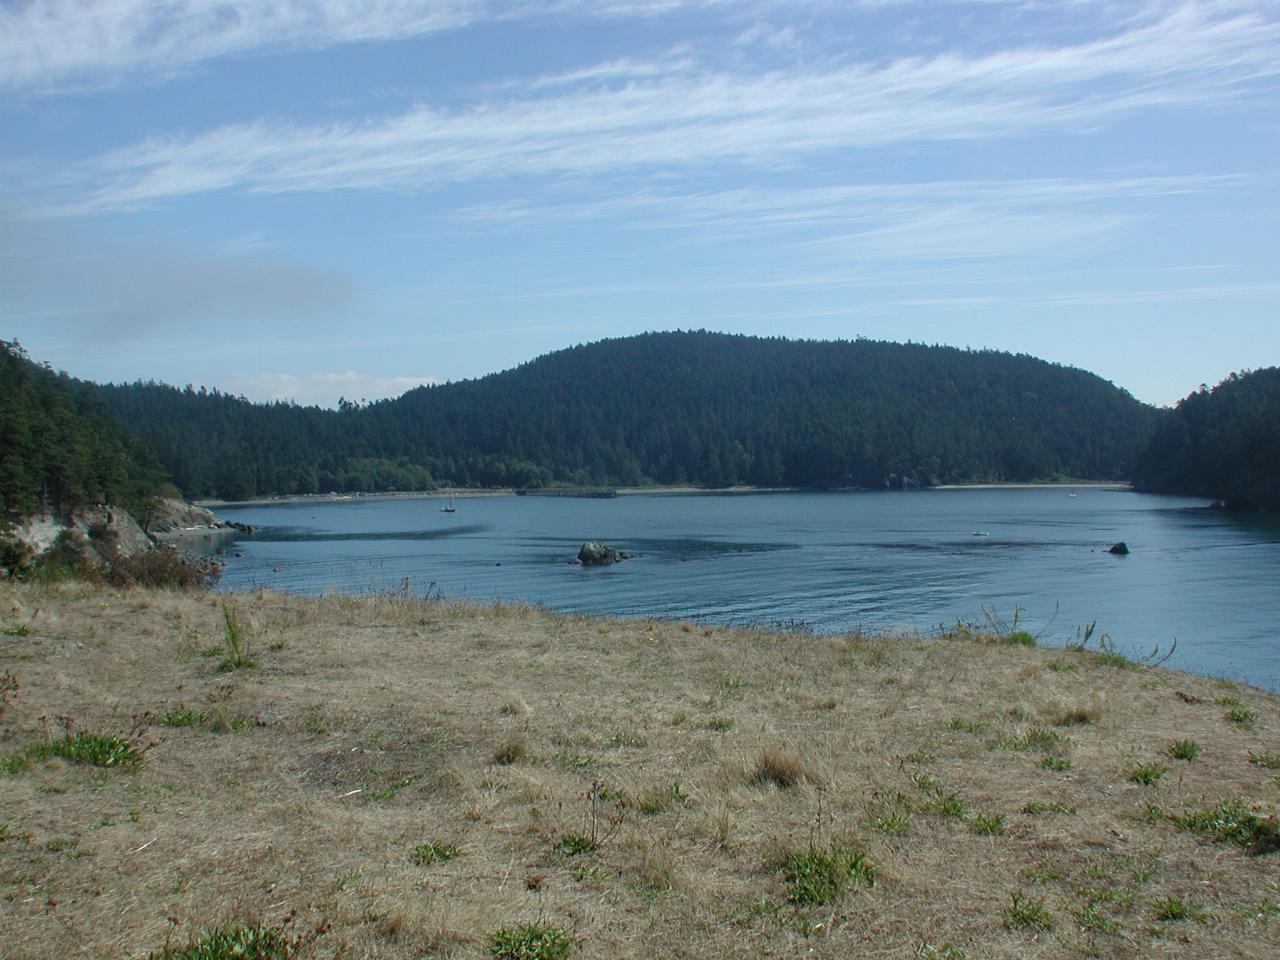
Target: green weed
[
  {"x": 236, "y": 943},
  {"x": 1240, "y": 718},
  {"x": 1147, "y": 774},
  {"x": 572, "y": 844},
  {"x": 1027, "y": 913},
  {"x": 819, "y": 875},
  {"x": 181, "y": 717},
  {"x": 1268, "y": 761},
  {"x": 1183, "y": 750},
  {"x": 1173, "y": 909},
  {"x": 94, "y": 749},
  {"x": 720, "y": 724},
  {"x": 1055, "y": 763},
  {"x": 427, "y": 853},
  {"x": 16, "y": 630},
  {"x": 1231, "y": 821},
  {"x": 535, "y": 941},
  {"x": 988, "y": 825}
]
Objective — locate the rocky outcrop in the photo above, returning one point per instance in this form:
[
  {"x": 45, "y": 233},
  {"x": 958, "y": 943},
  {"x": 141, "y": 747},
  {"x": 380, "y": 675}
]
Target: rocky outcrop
[
  {"x": 111, "y": 527},
  {"x": 595, "y": 553},
  {"x": 177, "y": 518}
]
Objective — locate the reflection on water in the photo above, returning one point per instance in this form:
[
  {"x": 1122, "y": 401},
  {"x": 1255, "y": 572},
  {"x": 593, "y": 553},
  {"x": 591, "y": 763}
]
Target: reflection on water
[{"x": 832, "y": 561}]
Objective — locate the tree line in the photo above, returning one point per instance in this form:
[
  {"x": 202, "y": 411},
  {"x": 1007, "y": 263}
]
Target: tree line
[
  {"x": 1222, "y": 443},
  {"x": 664, "y": 408},
  {"x": 59, "y": 449}
]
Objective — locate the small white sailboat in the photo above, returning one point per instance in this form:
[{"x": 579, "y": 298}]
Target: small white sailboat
[{"x": 449, "y": 507}]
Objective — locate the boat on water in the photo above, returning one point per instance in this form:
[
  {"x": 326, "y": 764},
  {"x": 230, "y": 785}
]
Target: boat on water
[{"x": 449, "y": 507}]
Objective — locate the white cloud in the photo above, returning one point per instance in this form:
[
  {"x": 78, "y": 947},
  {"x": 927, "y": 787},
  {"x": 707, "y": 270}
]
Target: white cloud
[
  {"x": 685, "y": 119},
  {"x": 320, "y": 389}
]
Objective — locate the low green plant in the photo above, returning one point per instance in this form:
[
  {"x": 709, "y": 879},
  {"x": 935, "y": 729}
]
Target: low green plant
[
  {"x": 895, "y": 822},
  {"x": 1231, "y": 821},
  {"x": 1268, "y": 761},
  {"x": 1227, "y": 701},
  {"x": 16, "y": 630},
  {"x": 1055, "y": 763},
  {"x": 720, "y": 724},
  {"x": 532, "y": 941},
  {"x": 180, "y": 717},
  {"x": 431, "y": 852},
  {"x": 93, "y": 749},
  {"x": 819, "y": 875},
  {"x": 1027, "y": 913},
  {"x": 235, "y": 642},
  {"x": 1240, "y": 718},
  {"x": 572, "y": 844},
  {"x": 1173, "y": 909},
  {"x": 943, "y": 804},
  {"x": 1183, "y": 750},
  {"x": 1147, "y": 774},
  {"x": 985, "y": 825},
  {"x": 965, "y": 725},
  {"x": 14, "y": 763},
  {"x": 257, "y": 942},
  {"x": 1034, "y": 808}
]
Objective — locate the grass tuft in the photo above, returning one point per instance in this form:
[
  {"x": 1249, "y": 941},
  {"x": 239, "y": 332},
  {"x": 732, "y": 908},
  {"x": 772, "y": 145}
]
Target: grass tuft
[
  {"x": 1240, "y": 718},
  {"x": 1231, "y": 821},
  {"x": 818, "y": 876},
  {"x": 181, "y": 717},
  {"x": 782, "y": 770},
  {"x": 988, "y": 825},
  {"x": 235, "y": 943},
  {"x": 532, "y": 941},
  {"x": 1268, "y": 761},
  {"x": 1172, "y": 909},
  {"x": 428, "y": 853},
  {"x": 1027, "y": 913},
  {"x": 235, "y": 642},
  {"x": 1183, "y": 750},
  {"x": 94, "y": 749},
  {"x": 1147, "y": 774},
  {"x": 512, "y": 750}
]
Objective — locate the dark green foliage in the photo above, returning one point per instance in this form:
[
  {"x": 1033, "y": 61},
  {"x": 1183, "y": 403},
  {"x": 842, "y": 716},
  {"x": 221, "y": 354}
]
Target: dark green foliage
[
  {"x": 59, "y": 450},
  {"x": 697, "y": 407},
  {"x": 1222, "y": 443},
  {"x": 820, "y": 875},
  {"x": 533, "y": 941},
  {"x": 235, "y": 943}
]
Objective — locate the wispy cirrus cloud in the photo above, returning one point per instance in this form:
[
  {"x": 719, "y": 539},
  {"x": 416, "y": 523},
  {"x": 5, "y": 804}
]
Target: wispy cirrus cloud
[
  {"x": 683, "y": 119},
  {"x": 52, "y": 45}
]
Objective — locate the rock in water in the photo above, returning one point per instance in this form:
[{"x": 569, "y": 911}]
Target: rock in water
[
  {"x": 1119, "y": 549},
  {"x": 597, "y": 554}
]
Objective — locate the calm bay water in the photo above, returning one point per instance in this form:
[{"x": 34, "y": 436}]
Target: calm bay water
[{"x": 833, "y": 561}]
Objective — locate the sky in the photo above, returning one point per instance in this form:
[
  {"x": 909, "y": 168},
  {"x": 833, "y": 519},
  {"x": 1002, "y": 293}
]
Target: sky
[{"x": 308, "y": 199}]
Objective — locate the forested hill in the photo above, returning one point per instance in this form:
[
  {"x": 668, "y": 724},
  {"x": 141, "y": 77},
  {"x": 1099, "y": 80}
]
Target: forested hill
[
  {"x": 1222, "y": 443},
  {"x": 702, "y": 408},
  {"x": 58, "y": 450}
]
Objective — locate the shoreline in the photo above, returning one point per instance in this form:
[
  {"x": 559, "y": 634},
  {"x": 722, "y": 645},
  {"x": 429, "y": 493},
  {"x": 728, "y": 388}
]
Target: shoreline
[{"x": 670, "y": 489}]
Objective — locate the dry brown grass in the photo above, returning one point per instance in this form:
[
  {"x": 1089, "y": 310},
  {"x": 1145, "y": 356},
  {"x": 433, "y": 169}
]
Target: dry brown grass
[{"x": 369, "y": 727}]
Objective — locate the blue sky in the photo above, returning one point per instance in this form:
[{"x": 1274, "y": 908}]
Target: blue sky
[{"x": 323, "y": 198}]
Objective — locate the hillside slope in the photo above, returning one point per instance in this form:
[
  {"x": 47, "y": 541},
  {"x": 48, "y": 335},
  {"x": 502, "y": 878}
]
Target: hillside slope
[
  {"x": 703, "y": 408},
  {"x": 1222, "y": 443}
]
